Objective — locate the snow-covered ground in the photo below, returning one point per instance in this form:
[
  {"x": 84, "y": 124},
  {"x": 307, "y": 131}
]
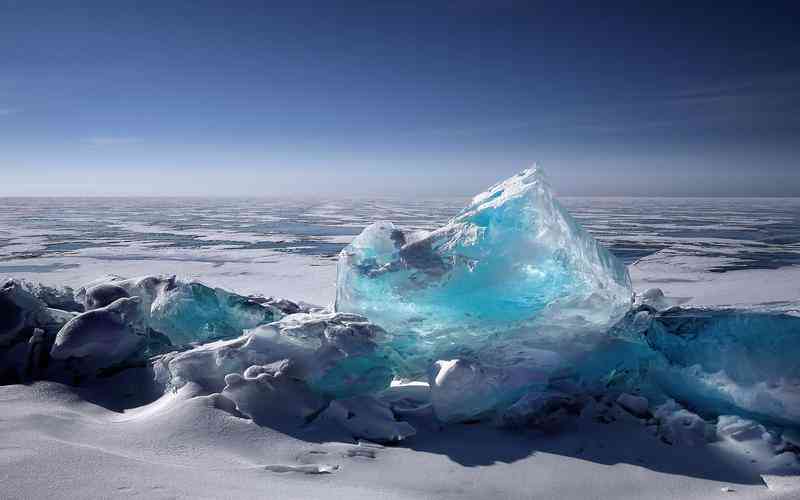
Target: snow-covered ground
[{"x": 55, "y": 444}]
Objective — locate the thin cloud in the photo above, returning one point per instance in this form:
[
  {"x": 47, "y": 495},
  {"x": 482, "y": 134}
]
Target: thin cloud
[
  {"x": 777, "y": 85},
  {"x": 8, "y": 111},
  {"x": 111, "y": 140}
]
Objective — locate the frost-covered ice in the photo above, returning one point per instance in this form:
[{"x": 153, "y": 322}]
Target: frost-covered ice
[
  {"x": 183, "y": 312},
  {"x": 101, "y": 338},
  {"x": 722, "y": 360},
  {"x": 463, "y": 390}
]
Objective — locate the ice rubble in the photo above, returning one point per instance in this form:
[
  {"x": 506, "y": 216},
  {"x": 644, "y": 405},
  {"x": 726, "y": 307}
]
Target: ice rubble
[
  {"x": 510, "y": 311},
  {"x": 113, "y": 322},
  {"x": 182, "y": 311},
  {"x": 722, "y": 361},
  {"x": 505, "y": 272},
  {"x": 306, "y": 366},
  {"x": 336, "y": 354}
]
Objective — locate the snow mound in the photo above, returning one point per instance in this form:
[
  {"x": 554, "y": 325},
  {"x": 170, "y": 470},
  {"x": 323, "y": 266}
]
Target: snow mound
[
  {"x": 336, "y": 354},
  {"x": 101, "y": 338},
  {"x": 273, "y": 394}
]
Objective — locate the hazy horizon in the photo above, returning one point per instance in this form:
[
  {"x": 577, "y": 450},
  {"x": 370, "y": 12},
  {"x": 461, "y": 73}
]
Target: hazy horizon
[{"x": 422, "y": 99}]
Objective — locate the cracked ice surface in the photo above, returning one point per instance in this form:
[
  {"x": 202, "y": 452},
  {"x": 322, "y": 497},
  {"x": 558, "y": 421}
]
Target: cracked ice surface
[{"x": 513, "y": 270}]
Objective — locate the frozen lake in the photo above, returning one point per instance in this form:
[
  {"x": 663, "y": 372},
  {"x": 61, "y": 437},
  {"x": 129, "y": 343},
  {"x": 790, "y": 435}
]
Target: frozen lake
[{"x": 289, "y": 247}]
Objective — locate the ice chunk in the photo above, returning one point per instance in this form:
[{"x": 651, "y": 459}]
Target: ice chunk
[
  {"x": 729, "y": 361},
  {"x": 100, "y": 339},
  {"x": 27, "y": 329},
  {"x": 273, "y": 394},
  {"x": 21, "y": 312},
  {"x": 463, "y": 390},
  {"x": 347, "y": 356},
  {"x": 285, "y": 306},
  {"x": 336, "y": 354},
  {"x": 408, "y": 398},
  {"x": 184, "y": 312},
  {"x": 303, "y": 469},
  {"x": 208, "y": 364},
  {"x": 486, "y": 282},
  {"x": 677, "y": 425},
  {"x": 655, "y": 298},
  {"x": 542, "y": 410},
  {"x": 740, "y": 429},
  {"x": 191, "y": 312},
  {"x": 57, "y": 298},
  {"x": 144, "y": 287},
  {"x": 102, "y": 295},
  {"x": 365, "y": 417}
]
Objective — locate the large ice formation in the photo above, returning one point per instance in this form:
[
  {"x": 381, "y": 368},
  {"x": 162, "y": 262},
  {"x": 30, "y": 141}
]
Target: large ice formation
[
  {"x": 723, "y": 360},
  {"x": 512, "y": 295},
  {"x": 503, "y": 273}
]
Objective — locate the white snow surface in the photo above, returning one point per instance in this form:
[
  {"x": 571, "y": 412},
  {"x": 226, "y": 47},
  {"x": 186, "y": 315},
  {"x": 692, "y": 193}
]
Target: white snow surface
[{"x": 55, "y": 444}]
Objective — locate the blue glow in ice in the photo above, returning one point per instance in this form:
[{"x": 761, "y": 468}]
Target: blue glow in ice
[
  {"x": 729, "y": 361},
  {"x": 190, "y": 312},
  {"x": 511, "y": 260}
]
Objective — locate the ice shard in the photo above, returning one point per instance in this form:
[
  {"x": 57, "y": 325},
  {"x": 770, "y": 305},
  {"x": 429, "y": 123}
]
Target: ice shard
[{"x": 492, "y": 281}]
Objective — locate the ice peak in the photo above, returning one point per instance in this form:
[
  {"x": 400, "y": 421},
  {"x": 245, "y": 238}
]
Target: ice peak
[{"x": 531, "y": 178}]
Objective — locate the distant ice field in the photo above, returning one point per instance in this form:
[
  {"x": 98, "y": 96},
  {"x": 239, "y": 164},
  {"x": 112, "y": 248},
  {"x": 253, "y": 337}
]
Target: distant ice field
[{"x": 710, "y": 250}]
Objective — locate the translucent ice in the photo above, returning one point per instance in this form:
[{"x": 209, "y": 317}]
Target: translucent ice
[
  {"x": 183, "y": 311},
  {"x": 485, "y": 283},
  {"x": 192, "y": 311},
  {"x": 722, "y": 361}
]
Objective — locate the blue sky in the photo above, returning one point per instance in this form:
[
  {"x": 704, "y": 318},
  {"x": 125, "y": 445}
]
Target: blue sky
[{"x": 391, "y": 98}]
